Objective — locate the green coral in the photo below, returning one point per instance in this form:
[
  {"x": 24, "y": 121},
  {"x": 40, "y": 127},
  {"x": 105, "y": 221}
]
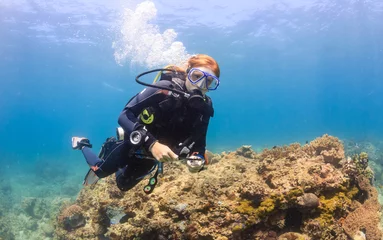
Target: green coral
[
  {"x": 363, "y": 155},
  {"x": 238, "y": 227},
  {"x": 352, "y": 192},
  {"x": 267, "y": 206},
  {"x": 293, "y": 194},
  {"x": 331, "y": 205},
  {"x": 361, "y": 160},
  {"x": 335, "y": 205},
  {"x": 246, "y": 207}
]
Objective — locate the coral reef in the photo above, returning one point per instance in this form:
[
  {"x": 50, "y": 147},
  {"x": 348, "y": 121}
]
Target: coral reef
[
  {"x": 364, "y": 217},
  {"x": 71, "y": 217},
  {"x": 374, "y": 153},
  {"x": 289, "y": 192},
  {"x": 246, "y": 152},
  {"x": 32, "y": 219}
]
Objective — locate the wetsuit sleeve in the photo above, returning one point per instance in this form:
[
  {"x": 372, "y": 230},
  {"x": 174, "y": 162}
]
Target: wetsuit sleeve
[
  {"x": 129, "y": 117},
  {"x": 200, "y": 137}
]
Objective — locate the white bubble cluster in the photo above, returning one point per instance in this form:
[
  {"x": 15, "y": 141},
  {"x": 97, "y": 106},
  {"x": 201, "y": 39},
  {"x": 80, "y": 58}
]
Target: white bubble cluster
[{"x": 142, "y": 43}]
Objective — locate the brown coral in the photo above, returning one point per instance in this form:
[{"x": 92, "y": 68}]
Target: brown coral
[
  {"x": 293, "y": 236},
  {"x": 71, "y": 217},
  {"x": 331, "y": 148},
  {"x": 365, "y": 218},
  {"x": 282, "y": 152},
  {"x": 245, "y": 196},
  {"x": 246, "y": 151}
]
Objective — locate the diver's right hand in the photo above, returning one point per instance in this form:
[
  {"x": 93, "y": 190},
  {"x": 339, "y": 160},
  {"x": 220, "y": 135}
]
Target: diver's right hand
[{"x": 163, "y": 153}]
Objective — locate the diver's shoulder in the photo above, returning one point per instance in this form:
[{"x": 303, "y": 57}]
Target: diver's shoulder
[
  {"x": 164, "y": 83},
  {"x": 209, "y": 100}
]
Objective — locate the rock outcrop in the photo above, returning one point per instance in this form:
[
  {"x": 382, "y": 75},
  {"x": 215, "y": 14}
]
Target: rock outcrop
[{"x": 290, "y": 192}]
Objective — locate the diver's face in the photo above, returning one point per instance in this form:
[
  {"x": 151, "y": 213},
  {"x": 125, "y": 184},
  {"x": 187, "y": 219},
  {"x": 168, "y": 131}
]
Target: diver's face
[{"x": 200, "y": 84}]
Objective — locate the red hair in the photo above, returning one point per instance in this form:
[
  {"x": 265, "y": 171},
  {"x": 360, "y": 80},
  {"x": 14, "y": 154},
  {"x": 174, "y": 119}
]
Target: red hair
[
  {"x": 199, "y": 60},
  {"x": 203, "y": 60}
]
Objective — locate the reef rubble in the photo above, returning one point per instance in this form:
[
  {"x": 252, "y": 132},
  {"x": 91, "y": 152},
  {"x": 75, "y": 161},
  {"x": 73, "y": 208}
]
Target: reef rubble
[{"x": 310, "y": 191}]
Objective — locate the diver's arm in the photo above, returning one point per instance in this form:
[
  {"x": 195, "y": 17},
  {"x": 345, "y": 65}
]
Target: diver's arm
[
  {"x": 199, "y": 135},
  {"x": 199, "y": 147},
  {"x": 149, "y": 97}
]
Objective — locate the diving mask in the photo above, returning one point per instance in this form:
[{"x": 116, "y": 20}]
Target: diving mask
[{"x": 204, "y": 78}]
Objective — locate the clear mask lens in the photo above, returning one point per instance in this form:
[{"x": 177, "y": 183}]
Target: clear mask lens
[
  {"x": 211, "y": 83},
  {"x": 203, "y": 80},
  {"x": 196, "y": 75}
]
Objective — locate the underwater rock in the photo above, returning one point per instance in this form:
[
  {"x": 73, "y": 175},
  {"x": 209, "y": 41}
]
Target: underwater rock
[
  {"x": 308, "y": 200},
  {"x": 72, "y": 217},
  {"x": 359, "y": 236},
  {"x": 366, "y": 215},
  {"x": 246, "y": 151},
  {"x": 288, "y": 192},
  {"x": 331, "y": 148},
  {"x": 115, "y": 214},
  {"x": 293, "y": 236},
  {"x": 358, "y": 166},
  {"x": 181, "y": 207},
  {"x": 212, "y": 158}
]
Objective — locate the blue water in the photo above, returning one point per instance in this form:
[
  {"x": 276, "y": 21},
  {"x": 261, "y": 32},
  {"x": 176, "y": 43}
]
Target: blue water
[{"x": 290, "y": 71}]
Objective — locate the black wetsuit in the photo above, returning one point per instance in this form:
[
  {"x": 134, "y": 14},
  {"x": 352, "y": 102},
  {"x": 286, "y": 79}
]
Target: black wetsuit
[{"x": 170, "y": 118}]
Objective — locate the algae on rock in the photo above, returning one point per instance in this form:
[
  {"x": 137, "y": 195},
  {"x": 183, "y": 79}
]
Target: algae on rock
[{"x": 291, "y": 192}]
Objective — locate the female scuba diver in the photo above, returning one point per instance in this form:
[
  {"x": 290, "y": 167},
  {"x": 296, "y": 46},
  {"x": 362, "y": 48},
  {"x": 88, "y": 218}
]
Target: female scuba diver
[{"x": 166, "y": 121}]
